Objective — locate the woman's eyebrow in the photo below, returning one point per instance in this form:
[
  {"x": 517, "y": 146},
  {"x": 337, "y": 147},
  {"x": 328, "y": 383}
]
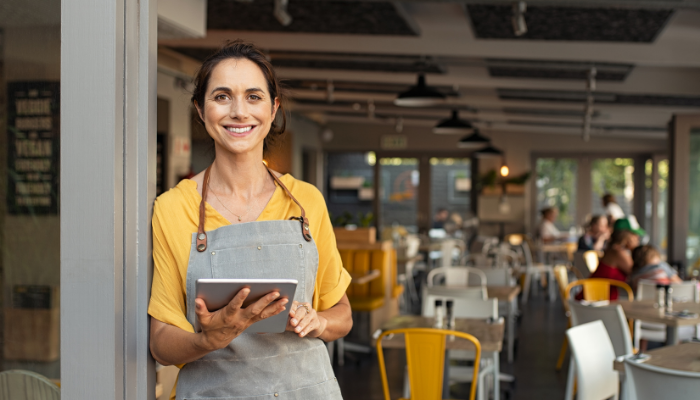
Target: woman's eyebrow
[
  {"x": 254, "y": 89},
  {"x": 221, "y": 88}
]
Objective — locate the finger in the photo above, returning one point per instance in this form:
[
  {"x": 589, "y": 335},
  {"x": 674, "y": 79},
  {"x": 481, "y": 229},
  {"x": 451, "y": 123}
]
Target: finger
[
  {"x": 257, "y": 307},
  {"x": 237, "y": 302},
  {"x": 273, "y": 309},
  {"x": 300, "y": 315},
  {"x": 310, "y": 326},
  {"x": 304, "y": 323},
  {"x": 293, "y": 310},
  {"x": 200, "y": 308}
]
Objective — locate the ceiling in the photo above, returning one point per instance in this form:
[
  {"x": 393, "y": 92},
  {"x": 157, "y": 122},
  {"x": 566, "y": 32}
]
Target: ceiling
[{"x": 346, "y": 60}]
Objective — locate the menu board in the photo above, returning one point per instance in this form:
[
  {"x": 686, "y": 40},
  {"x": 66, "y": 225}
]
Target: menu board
[{"x": 33, "y": 147}]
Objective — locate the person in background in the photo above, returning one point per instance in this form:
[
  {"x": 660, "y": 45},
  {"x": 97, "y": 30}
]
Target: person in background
[
  {"x": 596, "y": 235},
  {"x": 630, "y": 224},
  {"x": 616, "y": 262},
  {"x": 648, "y": 266},
  {"x": 440, "y": 218},
  {"x": 612, "y": 209},
  {"x": 547, "y": 231}
]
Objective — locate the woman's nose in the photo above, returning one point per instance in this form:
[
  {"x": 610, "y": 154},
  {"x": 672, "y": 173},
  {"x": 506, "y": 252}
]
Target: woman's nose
[{"x": 239, "y": 110}]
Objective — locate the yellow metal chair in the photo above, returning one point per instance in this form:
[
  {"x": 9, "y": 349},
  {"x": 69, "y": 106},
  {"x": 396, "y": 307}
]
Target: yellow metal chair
[
  {"x": 561, "y": 274},
  {"x": 597, "y": 289},
  {"x": 425, "y": 356}
]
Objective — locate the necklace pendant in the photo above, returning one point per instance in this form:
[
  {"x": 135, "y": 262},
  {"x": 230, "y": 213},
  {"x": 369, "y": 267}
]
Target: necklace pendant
[{"x": 239, "y": 218}]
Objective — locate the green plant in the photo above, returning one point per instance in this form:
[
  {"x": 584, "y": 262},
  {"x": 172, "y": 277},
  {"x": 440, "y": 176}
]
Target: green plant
[{"x": 365, "y": 221}]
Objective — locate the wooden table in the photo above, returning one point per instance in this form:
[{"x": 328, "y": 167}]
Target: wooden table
[
  {"x": 509, "y": 296},
  {"x": 681, "y": 357},
  {"x": 647, "y": 310},
  {"x": 490, "y": 336}
]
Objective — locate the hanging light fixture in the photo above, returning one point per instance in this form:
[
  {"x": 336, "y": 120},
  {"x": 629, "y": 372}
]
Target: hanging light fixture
[
  {"x": 488, "y": 152},
  {"x": 473, "y": 141},
  {"x": 453, "y": 125},
  {"x": 419, "y": 95}
]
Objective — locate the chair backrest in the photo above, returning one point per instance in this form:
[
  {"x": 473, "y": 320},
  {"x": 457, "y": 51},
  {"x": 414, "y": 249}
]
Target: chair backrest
[
  {"x": 494, "y": 277},
  {"x": 684, "y": 291},
  {"x": 596, "y": 289},
  {"x": 649, "y": 382},
  {"x": 464, "y": 307},
  {"x": 580, "y": 265},
  {"x": 456, "y": 276},
  {"x": 447, "y": 247},
  {"x": 593, "y": 357},
  {"x": 425, "y": 356},
  {"x": 592, "y": 260},
  {"x": 561, "y": 274},
  {"x": 506, "y": 257},
  {"x": 613, "y": 318},
  {"x": 27, "y": 385}
]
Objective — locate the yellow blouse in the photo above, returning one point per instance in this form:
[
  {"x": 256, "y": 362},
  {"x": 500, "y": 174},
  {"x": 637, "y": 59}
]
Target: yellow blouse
[{"x": 175, "y": 218}]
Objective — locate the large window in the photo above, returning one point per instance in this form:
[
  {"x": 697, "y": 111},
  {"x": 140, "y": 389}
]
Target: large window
[
  {"x": 614, "y": 176},
  {"x": 450, "y": 185},
  {"x": 693, "y": 244},
  {"x": 556, "y": 187},
  {"x": 350, "y": 183},
  {"x": 29, "y": 186},
  {"x": 398, "y": 186}
]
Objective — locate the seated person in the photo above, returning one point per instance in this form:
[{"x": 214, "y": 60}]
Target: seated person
[
  {"x": 440, "y": 218},
  {"x": 648, "y": 266},
  {"x": 547, "y": 231},
  {"x": 596, "y": 235},
  {"x": 616, "y": 262}
]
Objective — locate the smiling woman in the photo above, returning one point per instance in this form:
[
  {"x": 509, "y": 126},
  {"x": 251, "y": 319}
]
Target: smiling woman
[{"x": 261, "y": 232}]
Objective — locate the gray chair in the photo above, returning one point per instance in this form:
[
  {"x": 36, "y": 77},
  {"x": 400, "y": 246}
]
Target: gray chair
[
  {"x": 27, "y": 385},
  {"x": 649, "y": 382}
]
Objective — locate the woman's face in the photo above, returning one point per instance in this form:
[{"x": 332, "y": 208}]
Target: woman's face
[{"x": 237, "y": 110}]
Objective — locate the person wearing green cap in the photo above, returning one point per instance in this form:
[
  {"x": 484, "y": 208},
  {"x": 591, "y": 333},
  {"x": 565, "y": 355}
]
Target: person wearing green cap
[{"x": 629, "y": 224}]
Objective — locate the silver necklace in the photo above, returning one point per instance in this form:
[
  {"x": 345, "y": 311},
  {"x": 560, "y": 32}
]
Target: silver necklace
[{"x": 240, "y": 217}]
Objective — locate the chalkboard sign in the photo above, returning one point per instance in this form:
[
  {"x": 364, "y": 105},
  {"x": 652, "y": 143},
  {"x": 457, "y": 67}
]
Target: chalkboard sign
[{"x": 33, "y": 146}]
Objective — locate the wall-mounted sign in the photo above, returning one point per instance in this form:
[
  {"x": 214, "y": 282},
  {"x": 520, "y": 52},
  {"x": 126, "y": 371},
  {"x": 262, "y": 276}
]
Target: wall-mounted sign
[
  {"x": 394, "y": 142},
  {"x": 33, "y": 146}
]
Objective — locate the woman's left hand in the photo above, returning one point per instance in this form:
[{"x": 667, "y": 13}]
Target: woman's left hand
[{"x": 305, "y": 321}]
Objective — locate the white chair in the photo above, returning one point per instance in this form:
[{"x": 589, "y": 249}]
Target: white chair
[
  {"x": 405, "y": 275},
  {"x": 649, "y": 382},
  {"x": 468, "y": 308},
  {"x": 646, "y": 290},
  {"x": 613, "y": 317},
  {"x": 593, "y": 357},
  {"x": 456, "y": 276},
  {"x": 430, "y": 294},
  {"x": 27, "y": 385},
  {"x": 494, "y": 277}
]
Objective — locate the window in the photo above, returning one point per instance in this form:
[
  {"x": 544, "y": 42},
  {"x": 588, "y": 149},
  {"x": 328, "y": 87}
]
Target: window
[{"x": 556, "y": 187}]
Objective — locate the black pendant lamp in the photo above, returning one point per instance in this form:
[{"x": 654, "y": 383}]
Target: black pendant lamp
[
  {"x": 473, "y": 141},
  {"x": 488, "y": 152},
  {"x": 419, "y": 95},
  {"x": 453, "y": 125}
]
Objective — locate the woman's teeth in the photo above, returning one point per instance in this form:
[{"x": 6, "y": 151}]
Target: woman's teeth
[{"x": 239, "y": 130}]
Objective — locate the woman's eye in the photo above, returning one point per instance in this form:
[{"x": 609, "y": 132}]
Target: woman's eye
[
  {"x": 255, "y": 97},
  {"x": 220, "y": 97}
]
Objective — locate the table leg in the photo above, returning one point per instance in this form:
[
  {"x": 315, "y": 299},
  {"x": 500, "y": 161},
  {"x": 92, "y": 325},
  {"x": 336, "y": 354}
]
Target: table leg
[
  {"x": 511, "y": 329},
  {"x": 671, "y": 335},
  {"x": 496, "y": 377}
]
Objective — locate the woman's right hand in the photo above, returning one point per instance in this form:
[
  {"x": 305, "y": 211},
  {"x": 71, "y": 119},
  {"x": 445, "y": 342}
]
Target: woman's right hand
[{"x": 220, "y": 327}]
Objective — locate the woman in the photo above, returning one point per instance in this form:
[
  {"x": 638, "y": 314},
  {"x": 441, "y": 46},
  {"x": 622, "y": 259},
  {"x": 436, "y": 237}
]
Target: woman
[
  {"x": 616, "y": 262},
  {"x": 257, "y": 223},
  {"x": 649, "y": 267},
  {"x": 596, "y": 235},
  {"x": 547, "y": 231}
]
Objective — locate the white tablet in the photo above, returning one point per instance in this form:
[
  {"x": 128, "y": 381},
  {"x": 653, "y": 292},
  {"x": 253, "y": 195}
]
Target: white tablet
[{"x": 217, "y": 293}]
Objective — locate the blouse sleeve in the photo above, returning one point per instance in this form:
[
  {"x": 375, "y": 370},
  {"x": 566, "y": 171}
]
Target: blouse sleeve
[
  {"x": 167, "y": 298},
  {"x": 332, "y": 280}
]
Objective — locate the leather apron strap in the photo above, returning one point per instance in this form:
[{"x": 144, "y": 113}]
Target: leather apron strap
[{"x": 202, "y": 236}]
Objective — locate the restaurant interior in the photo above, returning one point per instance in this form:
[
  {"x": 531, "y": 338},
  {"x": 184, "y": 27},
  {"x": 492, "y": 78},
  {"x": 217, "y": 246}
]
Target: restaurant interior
[{"x": 480, "y": 160}]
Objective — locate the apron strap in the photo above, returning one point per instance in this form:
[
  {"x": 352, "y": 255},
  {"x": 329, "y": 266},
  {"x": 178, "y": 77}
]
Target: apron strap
[
  {"x": 202, "y": 236},
  {"x": 304, "y": 221}
]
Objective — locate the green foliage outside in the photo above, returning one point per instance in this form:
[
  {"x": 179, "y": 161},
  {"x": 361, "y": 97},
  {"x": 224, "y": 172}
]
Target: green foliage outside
[
  {"x": 556, "y": 187},
  {"x": 610, "y": 175}
]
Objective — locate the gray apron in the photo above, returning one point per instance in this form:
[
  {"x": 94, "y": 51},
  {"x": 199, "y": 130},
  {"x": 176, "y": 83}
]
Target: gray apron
[{"x": 254, "y": 366}]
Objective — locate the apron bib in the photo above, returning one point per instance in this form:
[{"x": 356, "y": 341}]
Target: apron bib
[{"x": 254, "y": 366}]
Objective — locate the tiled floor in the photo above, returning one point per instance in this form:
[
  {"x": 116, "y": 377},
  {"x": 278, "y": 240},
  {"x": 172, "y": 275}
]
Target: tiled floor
[{"x": 540, "y": 334}]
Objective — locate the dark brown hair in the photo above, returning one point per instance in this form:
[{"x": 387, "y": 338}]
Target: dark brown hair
[
  {"x": 619, "y": 237},
  {"x": 608, "y": 198},
  {"x": 239, "y": 49},
  {"x": 595, "y": 219}
]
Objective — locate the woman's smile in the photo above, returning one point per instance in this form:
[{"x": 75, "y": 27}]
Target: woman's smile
[{"x": 239, "y": 130}]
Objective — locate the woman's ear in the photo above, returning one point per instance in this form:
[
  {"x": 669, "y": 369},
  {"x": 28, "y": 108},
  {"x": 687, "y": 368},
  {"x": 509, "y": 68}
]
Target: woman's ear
[
  {"x": 200, "y": 112},
  {"x": 275, "y": 107}
]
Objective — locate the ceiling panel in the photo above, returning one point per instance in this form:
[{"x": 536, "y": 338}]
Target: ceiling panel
[
  {"x": 308, "y": 16},
  {"x": 599, "y": 97},
  {"x": 570, "y": 23}
]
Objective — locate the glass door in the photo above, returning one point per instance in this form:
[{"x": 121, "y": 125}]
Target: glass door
[
  {"x": 398, "y": 193},
  {"x": 612, "y": 176}
]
